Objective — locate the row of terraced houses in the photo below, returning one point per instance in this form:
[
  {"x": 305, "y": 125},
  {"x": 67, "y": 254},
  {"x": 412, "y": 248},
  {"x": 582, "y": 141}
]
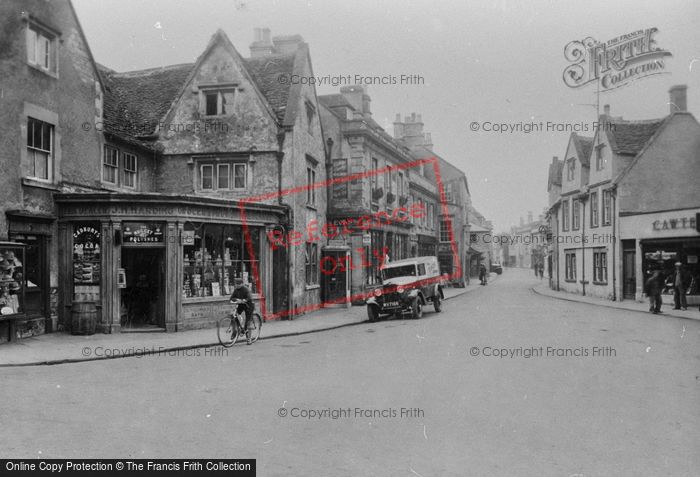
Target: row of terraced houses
[
  {"x": 626, "y": 202},
  {"x": 126, "y": 189}
]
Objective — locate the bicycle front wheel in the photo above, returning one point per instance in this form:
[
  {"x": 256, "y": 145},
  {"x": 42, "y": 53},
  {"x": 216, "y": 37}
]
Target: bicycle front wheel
[
  {"x": 227, "y": 331},
  {"x": 254, "y": 327}
]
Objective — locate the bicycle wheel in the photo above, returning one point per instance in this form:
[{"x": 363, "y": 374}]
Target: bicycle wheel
[
  {"x": 254, "y": 327},
  {"x": 227, "y": 330}
]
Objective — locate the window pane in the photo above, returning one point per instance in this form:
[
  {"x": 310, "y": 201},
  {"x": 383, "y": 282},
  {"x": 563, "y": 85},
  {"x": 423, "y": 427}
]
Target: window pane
[
  {"x": 239, "y": 176},
  {"x": 36, "y": 131},
  {"x": 46, "y": 137},
  {"x": 41, "y": 165},
  {"x": 45, "y": 51},
  {"x": 227, "y": 101},
  {"x": 207, "y": 177},
  {"x": 212, "y": 101},
  {"x": 222, "y": 174}
]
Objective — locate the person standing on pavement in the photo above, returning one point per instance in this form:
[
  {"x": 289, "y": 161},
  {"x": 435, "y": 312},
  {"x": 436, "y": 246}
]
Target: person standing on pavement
[
  {"x": 653, "y": 287},
  {"x": 482, "y": 274},
  {"x": 681, "y": 280}
]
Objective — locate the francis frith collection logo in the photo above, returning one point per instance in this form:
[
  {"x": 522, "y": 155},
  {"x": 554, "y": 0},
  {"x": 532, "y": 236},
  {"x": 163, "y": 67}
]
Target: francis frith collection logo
[{"x": 614, "y": 63}]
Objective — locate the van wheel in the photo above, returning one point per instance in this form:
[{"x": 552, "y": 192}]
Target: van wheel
[
  {"x": 372, "y": 313},
  {"x": 437, "y": 303},
  {"x": 416, "y": 308}
]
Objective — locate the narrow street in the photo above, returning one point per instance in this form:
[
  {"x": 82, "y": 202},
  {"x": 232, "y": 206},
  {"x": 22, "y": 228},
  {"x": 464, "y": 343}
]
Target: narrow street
[{"x": 630, "y": 410}]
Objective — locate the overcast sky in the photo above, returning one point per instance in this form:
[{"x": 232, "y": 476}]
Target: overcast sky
[{"x": 499, "y": 61}]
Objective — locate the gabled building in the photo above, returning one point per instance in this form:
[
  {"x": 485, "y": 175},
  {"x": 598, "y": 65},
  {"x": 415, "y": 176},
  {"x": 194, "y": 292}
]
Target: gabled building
[
  {"x": 196, "y": 160},
  {"x": 634, "y": 210},
  {"x": 51, "y": 100}
]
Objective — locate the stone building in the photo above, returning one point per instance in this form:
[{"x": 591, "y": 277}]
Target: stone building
[
  {"x": 358, "y": 145},
  {"x": 148, "y": 192},
  {"x": 51, "y": 99}
]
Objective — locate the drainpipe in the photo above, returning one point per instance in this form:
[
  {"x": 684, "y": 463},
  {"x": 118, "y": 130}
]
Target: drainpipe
[
  {"x": 613, "y": 197},
  {"x": 281, "y": 135},
  {"x": 582, "y": 199},
  {"x": 556, "y": 243}
]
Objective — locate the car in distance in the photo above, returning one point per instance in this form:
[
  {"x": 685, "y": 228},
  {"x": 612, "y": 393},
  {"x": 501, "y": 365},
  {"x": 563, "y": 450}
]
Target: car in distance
[
  {"x": 496, "y": 267},
  {"x": 407, "y": 286}
]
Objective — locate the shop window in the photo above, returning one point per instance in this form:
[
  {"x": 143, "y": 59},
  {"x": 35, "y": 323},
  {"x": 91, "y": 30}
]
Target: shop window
[
  {"x": 594, "y": 209},
  {"x": 86, "y": 262},
  {"x": 12, "y": 283},
  {"x": 42, "y": 49},
  {"x": 35, "y": 272},
  {"x": 600, "y": 267},
  {"x": 311, "y": 263},
  {"x": 110, "y": 171},
  {"x": 373, "y": 253},
  {"x": 40, "y": 138},
  {"x": 216, "y": 254},
  {"x": 570, "y": 266}
]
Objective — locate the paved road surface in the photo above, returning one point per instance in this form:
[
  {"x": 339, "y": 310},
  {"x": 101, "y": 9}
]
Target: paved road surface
[{"x": 634, "y": 411}]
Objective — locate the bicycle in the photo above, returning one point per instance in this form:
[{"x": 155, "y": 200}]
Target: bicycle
[{"x": 230, "y": 327}]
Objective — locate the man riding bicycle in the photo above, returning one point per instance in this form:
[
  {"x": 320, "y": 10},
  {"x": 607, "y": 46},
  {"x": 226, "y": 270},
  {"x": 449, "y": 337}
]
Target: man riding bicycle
[{"x": 247, "y": 307}]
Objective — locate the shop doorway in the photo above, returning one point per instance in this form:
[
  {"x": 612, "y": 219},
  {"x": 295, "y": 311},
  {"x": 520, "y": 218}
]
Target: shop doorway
[
  {"x": 629, "y": 279},
  {"x": 335, "y": 272},
  {"x": 143, "y": 299}
]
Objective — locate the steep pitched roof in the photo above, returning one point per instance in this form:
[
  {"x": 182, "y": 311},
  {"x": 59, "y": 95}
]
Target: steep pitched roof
[
  {"x": 583, "y": 145},
  {"x": 136, "y": 101},
  {"x": 629, "y": 137},
  {"x": 267, "y": 72}
]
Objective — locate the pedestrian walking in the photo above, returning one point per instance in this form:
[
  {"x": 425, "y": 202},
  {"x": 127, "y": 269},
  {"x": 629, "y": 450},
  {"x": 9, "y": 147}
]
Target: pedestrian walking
[
  {"x": 483, "y": 274},
  {"x": 653, "y": 287},
  {"x": 540, "y": 269},
  {"x": 681, "y": 280}
]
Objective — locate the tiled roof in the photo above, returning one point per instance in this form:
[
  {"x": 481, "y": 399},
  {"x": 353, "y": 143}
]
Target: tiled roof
[
  {"x": 267, "y": 72},
  {"x": 584, "y": 146},
  {"x": 629, "y": 137},
  {"x": 136, "y": 101}
]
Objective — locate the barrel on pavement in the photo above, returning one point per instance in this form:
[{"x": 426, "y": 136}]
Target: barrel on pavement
[{"x": 84, "y": 318}]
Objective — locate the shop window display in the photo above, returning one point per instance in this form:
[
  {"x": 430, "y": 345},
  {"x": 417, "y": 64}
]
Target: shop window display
[
  {"x": 11, "y": 278},
  {"x": 213, "y": 256}
]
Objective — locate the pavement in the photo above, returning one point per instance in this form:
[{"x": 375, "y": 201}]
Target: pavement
[
  {"x": 667, "y": 310},
  {"x": 62, "y": 347}
]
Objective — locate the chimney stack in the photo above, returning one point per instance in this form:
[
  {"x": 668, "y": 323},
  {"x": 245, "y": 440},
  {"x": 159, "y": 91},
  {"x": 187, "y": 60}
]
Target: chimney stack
[
  {"x": 398, "y": 127},
  {"x": 359, "y": 99},
  {"x": 529, "y": 217},
  {"x": 261, "y": 46},
  {"x": 287, "y": 43},
  {"x": 522, "y": 222},
  {"x": 606, "y": 110},
  {"x": 678, "y": 99}
]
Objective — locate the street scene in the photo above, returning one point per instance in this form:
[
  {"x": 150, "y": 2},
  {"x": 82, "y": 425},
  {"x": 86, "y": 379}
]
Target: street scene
[{"x": 367, "y": 238}]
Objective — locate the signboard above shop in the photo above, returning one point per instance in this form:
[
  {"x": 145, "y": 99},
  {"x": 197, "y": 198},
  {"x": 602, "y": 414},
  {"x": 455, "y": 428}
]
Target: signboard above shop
[{"x": 142, "y": 232}]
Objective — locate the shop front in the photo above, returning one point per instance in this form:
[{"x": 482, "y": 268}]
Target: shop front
[
  {"x": 162, "y": 262},
  {"x": 658, "y": 241}
]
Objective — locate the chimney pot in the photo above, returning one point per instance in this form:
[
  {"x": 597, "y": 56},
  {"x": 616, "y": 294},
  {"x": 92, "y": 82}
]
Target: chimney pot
[
  {"x": 678, "y": 98},
  {"x": 398, "y": 118}
]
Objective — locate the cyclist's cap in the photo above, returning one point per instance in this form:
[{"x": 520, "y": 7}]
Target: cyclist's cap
[{"x": 238, "y": 281}]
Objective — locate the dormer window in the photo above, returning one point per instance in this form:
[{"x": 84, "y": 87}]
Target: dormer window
[
  {"x": 217, "y": 100},
  {"x": 570, "y": 169},
  {"x": 42, "y": 49},
  {"x": 599, "y": 160}
]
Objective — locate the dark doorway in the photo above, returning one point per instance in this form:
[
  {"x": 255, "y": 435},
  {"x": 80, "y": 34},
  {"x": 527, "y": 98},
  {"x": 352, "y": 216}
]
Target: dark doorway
[
  {"x": 279, "y": 280},
  {"x": 629, "y": 279},
  {"x": 335, "y": 276},
  {"x": 142, "y": 301}
]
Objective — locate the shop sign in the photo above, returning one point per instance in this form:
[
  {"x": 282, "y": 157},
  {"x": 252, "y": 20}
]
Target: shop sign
[
  {"x": 142, "y": 232},
  {"x": 675, "y": 223},
  {"x": 367, "y": 239},
  {"x": 188, "y": 237},
  {"x": 86, "y": 237}
]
